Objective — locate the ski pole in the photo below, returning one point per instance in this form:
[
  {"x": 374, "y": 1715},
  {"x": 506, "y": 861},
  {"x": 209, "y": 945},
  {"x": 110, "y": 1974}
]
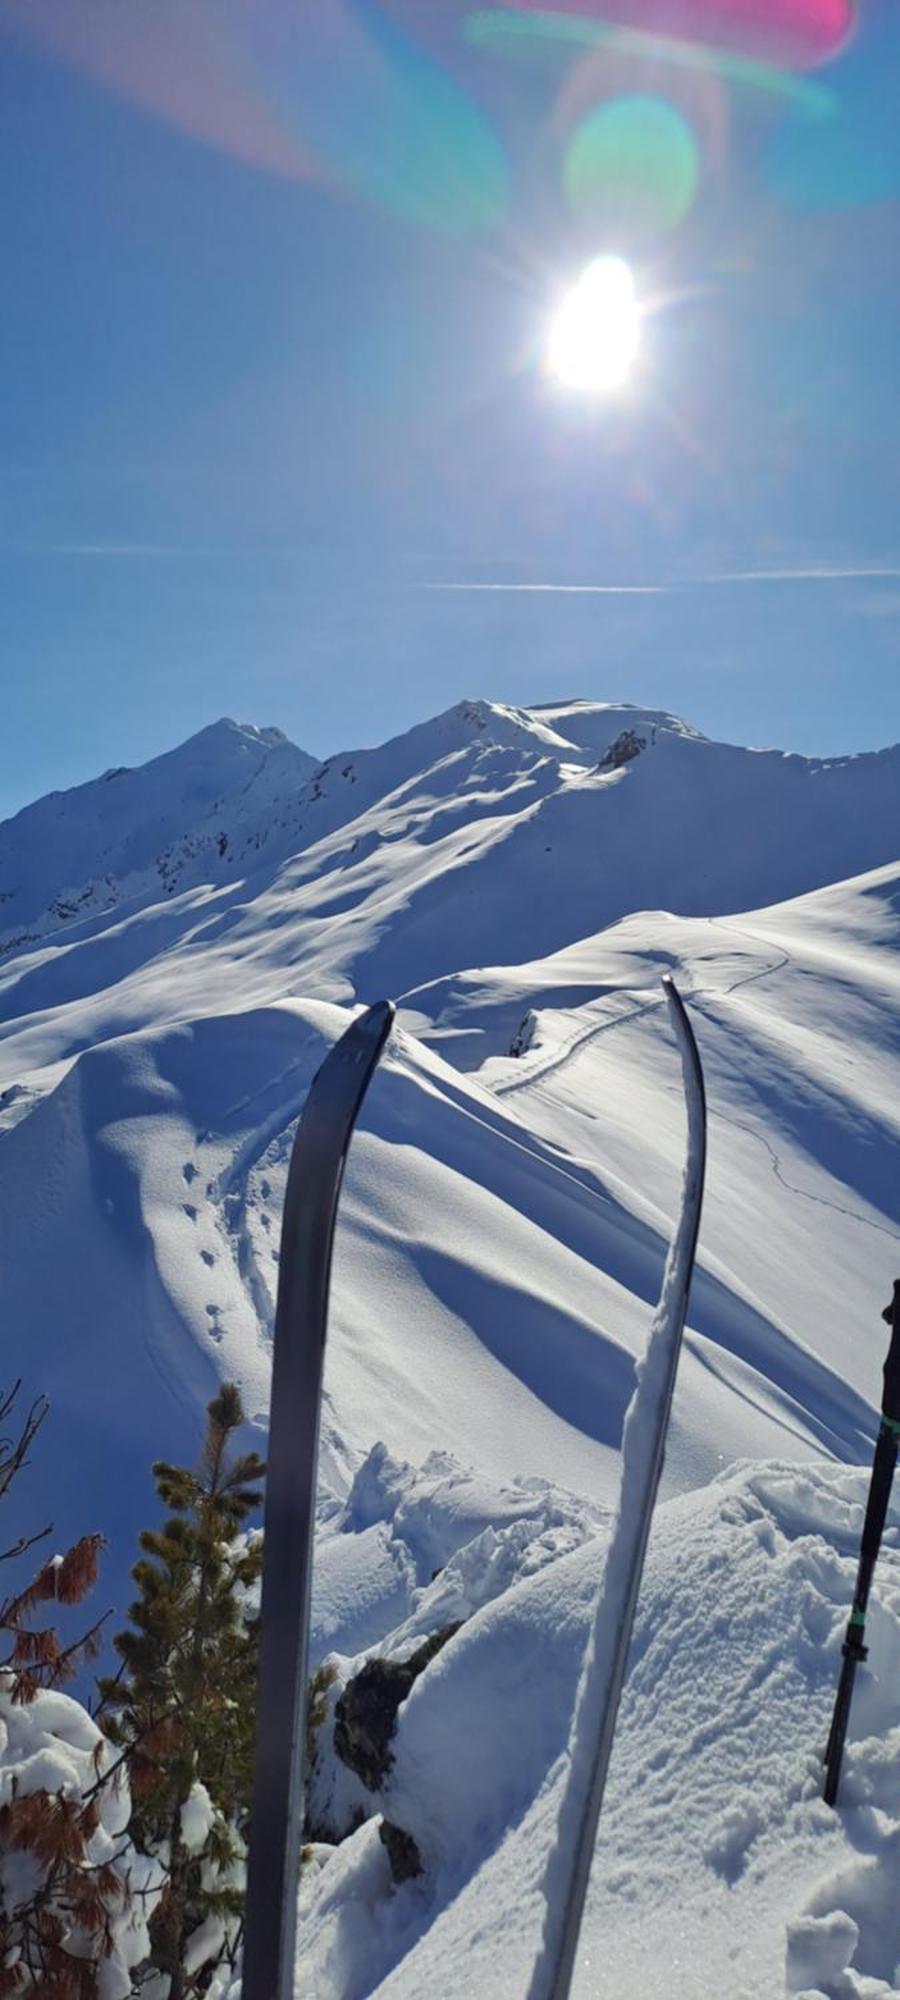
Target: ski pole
[{"x": 854, "y": 1647}]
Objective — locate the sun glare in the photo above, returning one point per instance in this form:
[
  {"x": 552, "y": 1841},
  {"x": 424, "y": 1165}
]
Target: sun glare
[{"x": 594, "y": 336}]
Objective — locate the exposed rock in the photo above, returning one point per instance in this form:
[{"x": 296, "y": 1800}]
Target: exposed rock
[
  {"x": 366, "y": 1714},
  {"x": 525, "y": 1034},
  {"x": 626, "y": 746},
  {"x": 402, "y": 1852}
]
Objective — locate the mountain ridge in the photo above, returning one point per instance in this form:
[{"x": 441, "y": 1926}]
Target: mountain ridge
[{"x": 664, "y": 816}]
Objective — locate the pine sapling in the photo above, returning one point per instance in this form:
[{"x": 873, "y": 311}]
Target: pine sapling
[{"x": 183, "y": 1703}]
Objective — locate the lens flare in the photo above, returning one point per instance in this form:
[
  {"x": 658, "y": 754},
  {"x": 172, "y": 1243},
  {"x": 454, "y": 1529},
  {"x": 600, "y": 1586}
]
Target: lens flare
[
  {"x": 541, "y": 35},
  {"x": 594, "y": 336},
  {"x": 853, "y": 159},
  {"x": 796, "y": 33},
  {"x": 336, "y": 93},
  {"x": 380, "y": 114},
  {"x": 632, "y": 166}
]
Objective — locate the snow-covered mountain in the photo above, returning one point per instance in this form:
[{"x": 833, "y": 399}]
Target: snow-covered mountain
[
  {"x": 488, "y": 836},
  {"x": 182, "y": 944},
  {"x": 192, "y": 815}
]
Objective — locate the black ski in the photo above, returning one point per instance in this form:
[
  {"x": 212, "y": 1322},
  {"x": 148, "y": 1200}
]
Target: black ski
[
  {"x": 307, "y": 1234},
  {"x": 597, "y": 1704},
  {"x": 854, "y": 1647}
]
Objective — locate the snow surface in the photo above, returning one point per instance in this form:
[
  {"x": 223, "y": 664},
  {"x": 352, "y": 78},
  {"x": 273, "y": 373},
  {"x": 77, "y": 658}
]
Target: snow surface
[
  {"x": 503, "y": 1232},
  {"x": 718, "y": 1868}
]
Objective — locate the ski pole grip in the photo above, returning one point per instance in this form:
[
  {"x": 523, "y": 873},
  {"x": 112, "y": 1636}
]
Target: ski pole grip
[{"x": 890, "y": 1402}]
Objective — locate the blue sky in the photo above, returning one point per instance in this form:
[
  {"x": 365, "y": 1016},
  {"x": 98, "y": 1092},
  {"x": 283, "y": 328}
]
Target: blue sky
[{"x": 276, "y": 286}]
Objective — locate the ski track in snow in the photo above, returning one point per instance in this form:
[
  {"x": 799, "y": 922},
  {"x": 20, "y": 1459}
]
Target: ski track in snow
[
  {"x": 582, "y": 1039},
  {"x": 837, "y": 1208},
  {"x": 692, "y": 996}
]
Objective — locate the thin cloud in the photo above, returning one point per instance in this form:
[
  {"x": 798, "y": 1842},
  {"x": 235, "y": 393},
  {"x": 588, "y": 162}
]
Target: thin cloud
[{"x": 680, "y": 586}]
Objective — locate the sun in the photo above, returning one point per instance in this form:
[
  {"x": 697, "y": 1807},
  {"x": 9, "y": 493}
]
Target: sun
[{"x": 595, "y": 334}]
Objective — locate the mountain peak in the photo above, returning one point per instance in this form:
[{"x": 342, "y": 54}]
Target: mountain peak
[
  {"x": 226, "y": 728},
  {"x": 145, "y": 830}
]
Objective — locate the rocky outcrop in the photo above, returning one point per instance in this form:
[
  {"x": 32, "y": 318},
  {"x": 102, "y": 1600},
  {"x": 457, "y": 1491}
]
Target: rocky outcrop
[
  {"x": 626, "y": 747},
  {"x": 366, "y": 1714},
  {"x": 365, "y": 1719},
  {"x": 402, "y": 1852}
]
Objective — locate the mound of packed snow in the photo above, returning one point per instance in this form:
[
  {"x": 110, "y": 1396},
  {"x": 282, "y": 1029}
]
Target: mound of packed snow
[{"x": 411, "y": 1550}]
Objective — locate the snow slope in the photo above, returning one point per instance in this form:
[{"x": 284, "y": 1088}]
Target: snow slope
[{"x": 517, "y": 878}]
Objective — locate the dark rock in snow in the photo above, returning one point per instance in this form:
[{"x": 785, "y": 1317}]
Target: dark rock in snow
[
  {"x": 366, "y": 1714},
  {"x": 402, "y": 1852},
  {"x": 626, "y": 746},
  {"x": 525, "y": 1034}
]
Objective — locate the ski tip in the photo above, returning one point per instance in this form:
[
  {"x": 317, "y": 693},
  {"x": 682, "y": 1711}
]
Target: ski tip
[
  {"x": 677, "y": 1008},
  {"x": 678, "y": 1015},
  {"x": 673, "y": 994},
  {"x": 676, "y": 1004},
  {"x": 381, "y": 1011},
  {"x": 373, "y": 1027}
]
